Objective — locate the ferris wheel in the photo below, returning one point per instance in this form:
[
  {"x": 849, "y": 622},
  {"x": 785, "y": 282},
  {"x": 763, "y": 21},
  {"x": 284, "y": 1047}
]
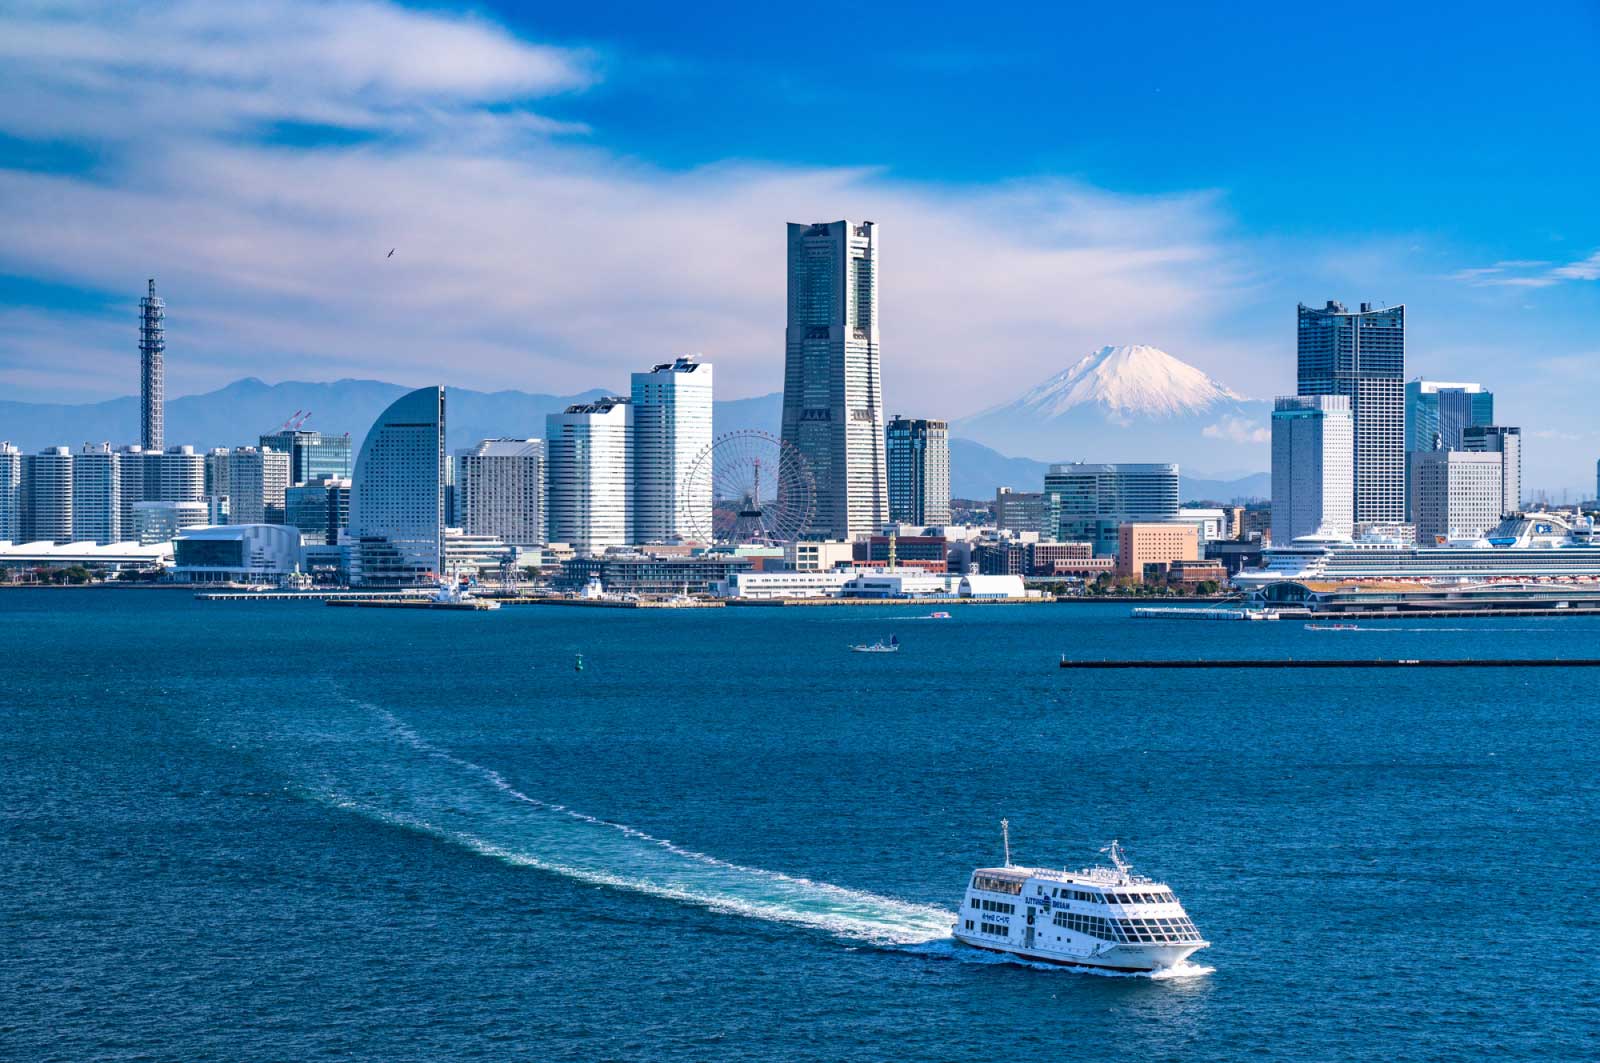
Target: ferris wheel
[{"x": 761, "y": 490}]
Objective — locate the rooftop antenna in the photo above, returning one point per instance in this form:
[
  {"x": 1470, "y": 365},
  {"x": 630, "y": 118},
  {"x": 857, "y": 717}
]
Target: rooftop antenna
[
  {"x": 1118, "y": 861},
  {"x": 1005, "y": 838}
]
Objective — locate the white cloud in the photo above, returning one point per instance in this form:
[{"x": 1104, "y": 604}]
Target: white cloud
[
  {"x": 1527, "y": 273},
  {"x": 1237, "y": 430}
]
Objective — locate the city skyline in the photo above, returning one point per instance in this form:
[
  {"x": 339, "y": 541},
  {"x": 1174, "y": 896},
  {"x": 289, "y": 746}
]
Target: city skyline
[{"x": 1064, "y": 250}]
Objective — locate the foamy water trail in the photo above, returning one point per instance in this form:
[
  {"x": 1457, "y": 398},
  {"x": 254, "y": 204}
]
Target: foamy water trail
[{"x": 438, "y": 793}]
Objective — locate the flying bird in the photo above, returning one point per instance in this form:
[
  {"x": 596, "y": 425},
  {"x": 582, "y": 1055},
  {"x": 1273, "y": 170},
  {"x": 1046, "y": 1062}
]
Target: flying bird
[{"x": 390, "y": 254}]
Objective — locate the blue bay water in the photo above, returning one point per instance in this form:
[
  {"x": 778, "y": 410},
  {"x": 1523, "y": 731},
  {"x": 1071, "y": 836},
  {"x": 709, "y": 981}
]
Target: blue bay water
[{"x": 281, "y": 831}]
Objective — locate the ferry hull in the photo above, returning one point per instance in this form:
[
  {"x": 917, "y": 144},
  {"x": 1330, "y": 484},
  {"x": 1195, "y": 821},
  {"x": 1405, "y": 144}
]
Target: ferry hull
[{"x": 1134, "y": 959}]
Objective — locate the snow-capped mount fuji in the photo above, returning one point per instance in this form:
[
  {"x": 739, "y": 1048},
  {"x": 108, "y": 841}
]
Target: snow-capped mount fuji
[{"x": 1130, "y": 403}]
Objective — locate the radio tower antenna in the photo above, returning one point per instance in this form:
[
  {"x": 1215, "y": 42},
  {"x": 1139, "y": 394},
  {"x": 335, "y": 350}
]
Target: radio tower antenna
[{"x": 152, "y": 369}]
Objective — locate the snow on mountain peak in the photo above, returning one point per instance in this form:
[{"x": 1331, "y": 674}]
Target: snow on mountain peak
[{"x": 1130, "y": 380}]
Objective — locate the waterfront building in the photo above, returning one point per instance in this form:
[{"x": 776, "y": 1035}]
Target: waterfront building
[
  {"x": 159, "y": 522},
  {"x": 96, "y": 494},
  {"x": 10, "y": 493},
  {"x": 176, "y": 474},
  {"x": 1190, "y": 573},
  {"x": 1313, "y": 467},
  {"x": 321, "y": 510},
  {"x": 818, "y": 555},
  {"x": 397, "y": 520},
  {"x": 312, "y": 455},
  {"x": 672, "y": 406},
  {"x": 238, "y": 553},
  {"x": 1142, "y": 543},
  {"x": 112, "y": 557},
  {"x": 1210, "y": 520},
  {"x": 806, "y": 583},
  {"x": 478, "y": 556},
  {"x": 1235, "y": 554},
  {"x": 1438, "y": 412},
  {"x": 500, "y": 490},
  {"x": 587, "y": 461},
  {"x": 257, "y": 480},
  {"x": 832, "y": 388},
  {"x": 927, "y": 552},
  {"x": 919, "y": 470},
  {"x": 1361, "y": 355},
  {"x": 1456, "y": 494},
  {"x": 152, "y": 370},
  {"x": 1064, "y": 560},
  {"x": 624, "y": 573},
  {"x": 47, "y": 496},
  {"x": 1090, "y": 503},
  {"x": 1507, "y": 442},
  {"x": 1022, "y": 511}
]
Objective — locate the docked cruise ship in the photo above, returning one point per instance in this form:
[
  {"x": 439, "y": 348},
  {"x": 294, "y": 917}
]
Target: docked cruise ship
[
  {"x": 1106, "y": 918},
  {"x": 1523, "y": 548}
]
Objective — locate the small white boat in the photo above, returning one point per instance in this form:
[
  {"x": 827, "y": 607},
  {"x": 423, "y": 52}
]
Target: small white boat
[
  {"x": 1180, "y": 612},
  {"x": 1106, "y": 918},
  {"x": 892, "y": 646},
  {"x": 939, "y": 616}
]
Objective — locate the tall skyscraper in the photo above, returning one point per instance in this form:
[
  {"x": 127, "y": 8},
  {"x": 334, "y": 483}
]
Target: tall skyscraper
[
  {"x": 1091, "y": 502},
  {"x": 919, "y": 471},
  {"x": 397, "y": 494},
  {"x": 500, "y": 490},
  {"x": 10, "y": 493},
  {"x": 1438, "y": 412},
  {"x": 1313, "y": 467},
  {"x": 1361, "y": 356},
  {"x": 47, "y": 496},
  {"x": 97, "y": 494},
  {"x": 587, "y": 454},
  {"x": 257, "y": 480},
  {"x": 319, "y": 510},
  {"x": 1458, "y": 494},
  {"x": 152, "y": 370},
  {"x": 671, "y": 428},
  {"x": 1507, "y": 442},
  {"x": 312, "y": 455},
  {"x": 832, "y": 391}
]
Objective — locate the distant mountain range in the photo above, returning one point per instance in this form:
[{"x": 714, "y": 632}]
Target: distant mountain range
[
  {"x": 1133, "y": 403},
  {"x": 241, "y": 411}
]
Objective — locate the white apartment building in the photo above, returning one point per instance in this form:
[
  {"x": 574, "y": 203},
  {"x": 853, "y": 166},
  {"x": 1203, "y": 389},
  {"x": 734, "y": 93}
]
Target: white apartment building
[
  {"x": 47, "y": 495},
  {"x": 1455, "y": 494},
  {"x": 96, "y": 494},
  {"x": 587, "y": 462},
  {"x": 257, "y": 478},
  {"x": 1313, "y": 467},
  {"x": 10, "y": 493},
  {"x": 500, "y": 490},
  {"x": 672, "y": 406}
]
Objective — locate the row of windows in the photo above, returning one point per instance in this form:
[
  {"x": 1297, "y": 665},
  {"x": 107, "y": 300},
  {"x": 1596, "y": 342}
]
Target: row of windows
[
  {"x": 1137, "y": 931},
  {"x": 993, "y": 928},
  {"x": 1158, "y": 897},
  {"x": 994, "y": 906},
  {"x": 996, "y": 884}
]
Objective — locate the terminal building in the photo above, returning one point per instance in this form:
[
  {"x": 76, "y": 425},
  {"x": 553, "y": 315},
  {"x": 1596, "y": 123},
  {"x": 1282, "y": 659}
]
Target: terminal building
[{"x": 238, "y": 553}]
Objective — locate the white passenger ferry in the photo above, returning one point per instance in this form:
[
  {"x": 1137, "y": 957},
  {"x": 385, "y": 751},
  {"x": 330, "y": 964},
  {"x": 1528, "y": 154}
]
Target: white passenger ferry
[{"x": 1101, "y": 917}]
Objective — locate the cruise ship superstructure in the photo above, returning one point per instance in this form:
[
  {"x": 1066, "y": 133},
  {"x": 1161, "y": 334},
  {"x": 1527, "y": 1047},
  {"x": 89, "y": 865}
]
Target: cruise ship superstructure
[
  {"x": 1522, "y": 548},
  {"x": 1106, "y": 918}
]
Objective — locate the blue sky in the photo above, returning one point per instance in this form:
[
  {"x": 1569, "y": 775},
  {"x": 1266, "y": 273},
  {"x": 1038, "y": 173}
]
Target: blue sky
[{"x": 580, "y": 189}]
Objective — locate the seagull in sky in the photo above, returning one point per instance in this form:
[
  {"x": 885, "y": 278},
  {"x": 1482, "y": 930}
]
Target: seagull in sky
[{"x": 390, "y": 254}]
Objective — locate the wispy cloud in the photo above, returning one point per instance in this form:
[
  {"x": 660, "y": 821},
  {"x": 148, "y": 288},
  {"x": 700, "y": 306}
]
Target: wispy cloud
[
  {"x": 525, "y": 259},
  {"x": 1237, "y": 430},
  {"x": 1529, "y": 273}
]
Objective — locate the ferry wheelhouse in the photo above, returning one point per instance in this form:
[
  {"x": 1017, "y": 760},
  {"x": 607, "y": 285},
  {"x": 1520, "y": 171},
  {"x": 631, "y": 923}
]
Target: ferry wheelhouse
[{"x": 1106, "y": 918}]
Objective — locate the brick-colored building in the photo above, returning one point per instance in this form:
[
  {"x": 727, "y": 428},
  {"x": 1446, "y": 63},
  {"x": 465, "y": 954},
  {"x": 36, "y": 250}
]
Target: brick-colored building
[
  {"x": 1192, "y": 572},
  {"x": 1143, "y": 543},
  {"x": 927, "y": 552}
]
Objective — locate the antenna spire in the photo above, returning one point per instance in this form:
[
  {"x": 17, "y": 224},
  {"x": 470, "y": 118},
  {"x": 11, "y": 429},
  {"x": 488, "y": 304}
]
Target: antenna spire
[{"x": 1005, "y": 838}]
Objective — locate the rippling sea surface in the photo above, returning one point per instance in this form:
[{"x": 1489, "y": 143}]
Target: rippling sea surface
[{"x": 275, "y": 831}]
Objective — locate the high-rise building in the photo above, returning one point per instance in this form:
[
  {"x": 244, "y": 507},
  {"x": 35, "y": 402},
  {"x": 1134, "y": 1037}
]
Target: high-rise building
[
  {"x": 832, "y": 388},
  {"x": 1091, "y": 502},
  {"x": 1313, "y": 467},
  {"x": 919, "y": 471},
  {"x": 176, "y": 474},
  {"x": 160, "y": 522},
  {"x": 312, "y": 455},
  {"x": 397, "y": 494},
  {"x": 10, "y": 493},
  {"x": 500, "y": 490},
  {"x": 1457, "y": 494},
  {"x": 47, "y": 496},
  {"x": 319, "y": 510},
  {"x": 671, "y": 428},
  {"x": 152, "y": 369},
  {"x": 1438, "y": 412},
  {"x": 1507, "y": 442},
  {"x": 1142, "y": 543},
  {"x": 1361, "y": 356},
  {"x": 1022, "y": 511},
  {"x": 587, "y": 461},
  {"x": 96, "y": 494},
  {"x": 257, "y": 480}
]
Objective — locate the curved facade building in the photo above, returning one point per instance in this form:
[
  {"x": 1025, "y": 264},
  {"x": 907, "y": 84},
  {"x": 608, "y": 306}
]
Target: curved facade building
[{"x": 397, "y": 495}]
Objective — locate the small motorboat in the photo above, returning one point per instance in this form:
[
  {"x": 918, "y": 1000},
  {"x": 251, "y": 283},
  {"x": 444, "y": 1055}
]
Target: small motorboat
[
  {"x": 939, "y": 616},
  {"x": 892, "y": 646},
  {"x": 1332, "y": 627}
]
